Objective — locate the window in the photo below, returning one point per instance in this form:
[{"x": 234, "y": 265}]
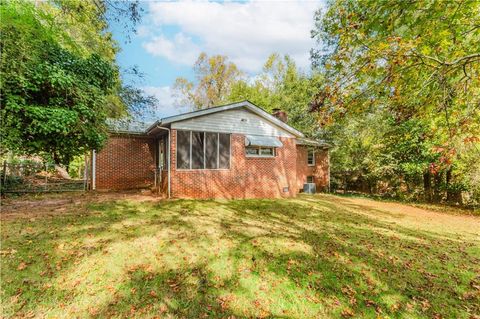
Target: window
[
  {"x": 223, "y": 151},
  {"x": 311, "y": 157},
  {"x": 310, "y": 179},
  {"x": 198, "y": 150},
  {"x": 252, "y": 151},
  {"x": 266, "y": 151},
  {"x": 211, "y": 150},
  {"x": 256, "y": 151},
  {"x": 202, "y": 150},
  {"x": 183, "y": 149}
]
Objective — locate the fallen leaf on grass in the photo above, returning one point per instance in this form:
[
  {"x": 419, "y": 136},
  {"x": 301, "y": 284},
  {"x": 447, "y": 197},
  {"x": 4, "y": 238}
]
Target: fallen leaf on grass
[
  {"x": 93, "y": 311},
  {"x": 14, "y": 298},
  {"x": 163, "y": 308},
  {"x": 395, "y": 307},
  {"x": 173, "y": 285},
  {"x": 425, "y": 304},
  {"x": 347, "y": 313},
  {"x": 353, "y": 301},
  {"x": 22, "y": 266},
  {"x": 409, "y": 306},
  {"x": 224, "y": 301},
  {"x": 370, "y": 303},
  {"x": 47, "y": 286}
]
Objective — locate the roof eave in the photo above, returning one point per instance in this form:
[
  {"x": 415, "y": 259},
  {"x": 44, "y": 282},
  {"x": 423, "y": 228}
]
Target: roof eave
[
  {"x": 313, "y": 143},
  {"x": 249, "y": 105},
  {"x": 126, "y": 132},
  {"x": 154, "y": 125}
]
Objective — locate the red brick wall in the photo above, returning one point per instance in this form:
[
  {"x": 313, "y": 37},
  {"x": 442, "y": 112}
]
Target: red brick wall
[
  {"x": 267, "y": 177},
  {"x": 319, "y": 171},
  {"x": 246, "y": 178},
  {"x": 125, "y": 162}
]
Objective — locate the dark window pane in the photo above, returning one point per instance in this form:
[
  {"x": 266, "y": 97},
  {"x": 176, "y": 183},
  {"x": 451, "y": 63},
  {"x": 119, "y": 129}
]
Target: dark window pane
[
  {"x": 211, "y": 150},
  {"x": 183, "y": 149},
  {"x": 197, "y": 150},
  {"x": 224, "y": 151},
  {"x": 251, "y": 151}
]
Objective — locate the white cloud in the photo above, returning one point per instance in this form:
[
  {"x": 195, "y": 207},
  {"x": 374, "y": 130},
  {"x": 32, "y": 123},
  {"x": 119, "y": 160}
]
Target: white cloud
[
  {"x": 180, "y": 49},
  {"x": 144, "y": 31},
  {"x": 246, "y": 32},
  {"x": 166, "y": 102}
]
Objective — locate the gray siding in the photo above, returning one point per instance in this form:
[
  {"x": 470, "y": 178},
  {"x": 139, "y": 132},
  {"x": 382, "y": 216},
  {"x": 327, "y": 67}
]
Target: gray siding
[{"x": 233, "y": 121}]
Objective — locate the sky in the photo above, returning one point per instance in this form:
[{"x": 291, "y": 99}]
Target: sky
[{"x": 171, "y": 35}]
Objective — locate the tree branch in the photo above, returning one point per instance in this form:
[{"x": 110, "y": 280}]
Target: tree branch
[{"x": 451, "y": 63}]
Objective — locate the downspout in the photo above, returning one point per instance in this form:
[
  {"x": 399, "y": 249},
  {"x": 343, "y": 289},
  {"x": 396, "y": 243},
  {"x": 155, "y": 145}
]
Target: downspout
[
  {"x": 94, "y": 170},
  {"x": 168, "y": 158}
]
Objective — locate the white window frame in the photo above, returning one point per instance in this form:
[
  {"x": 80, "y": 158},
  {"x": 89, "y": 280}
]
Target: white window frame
[
  {"x": 204, "y": 146},
  {"x": 313, "y": 158},
  {"x": 259, "y": 148},
  {"x": 313, "y": 179}
]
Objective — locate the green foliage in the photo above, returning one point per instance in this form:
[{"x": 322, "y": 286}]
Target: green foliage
[
  {"x": 53, "y": 101},
  {"x": 416, "y": 61},
  {"x": 76, "y": 167},
  {"x": 59, "y": 80},
  {"x": 282, "y": 85}
]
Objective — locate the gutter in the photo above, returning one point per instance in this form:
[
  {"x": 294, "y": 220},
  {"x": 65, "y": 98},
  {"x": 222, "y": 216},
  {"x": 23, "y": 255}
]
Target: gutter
[{"x": 168, "y": 157}]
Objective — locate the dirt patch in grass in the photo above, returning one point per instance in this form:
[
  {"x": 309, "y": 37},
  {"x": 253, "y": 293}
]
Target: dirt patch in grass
[
  {"x": 407, "y": 215},
  {"x": 49, "y": 204}
]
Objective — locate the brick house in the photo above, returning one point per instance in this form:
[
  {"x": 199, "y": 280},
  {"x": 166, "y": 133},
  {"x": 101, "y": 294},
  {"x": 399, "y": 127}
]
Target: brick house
[{"x": 230, "y": 151}]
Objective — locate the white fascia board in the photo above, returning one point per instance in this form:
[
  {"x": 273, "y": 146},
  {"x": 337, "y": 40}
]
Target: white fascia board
[{"x": 250, "y": 106}]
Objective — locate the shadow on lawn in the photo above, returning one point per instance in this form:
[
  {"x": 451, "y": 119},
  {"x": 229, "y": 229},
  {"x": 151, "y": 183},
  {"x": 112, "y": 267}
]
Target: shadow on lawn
[
  {"x": 373, "y": 267},
  {"x": 246, "y": 258}
]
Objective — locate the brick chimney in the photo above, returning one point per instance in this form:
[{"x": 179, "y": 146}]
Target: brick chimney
[{"x": 279, "y": 114}]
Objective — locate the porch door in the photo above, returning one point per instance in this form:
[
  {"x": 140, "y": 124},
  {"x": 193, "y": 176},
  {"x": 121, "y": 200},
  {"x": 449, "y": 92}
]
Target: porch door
[{"x": 161, "y": 155}]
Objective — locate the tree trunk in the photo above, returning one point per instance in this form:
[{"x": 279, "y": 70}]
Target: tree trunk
[
  {"x": 427, "y": 186},
  {"x": 453, "y": 195},
  {"x": 448, "y": 179},
  {"x": 437, "y": 187}
]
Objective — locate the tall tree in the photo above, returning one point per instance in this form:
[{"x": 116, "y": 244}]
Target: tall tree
[
  {"x": 214, "y": 77},
  {"x": 417, "y": 60},
  {"x": 417, "y": 57},
  {"x": 58, "y": 78},
  {"x": 282, "y": 85}
]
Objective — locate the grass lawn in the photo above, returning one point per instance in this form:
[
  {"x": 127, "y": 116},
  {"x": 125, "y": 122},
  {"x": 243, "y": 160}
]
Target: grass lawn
[{"x": 311, "y": 257}]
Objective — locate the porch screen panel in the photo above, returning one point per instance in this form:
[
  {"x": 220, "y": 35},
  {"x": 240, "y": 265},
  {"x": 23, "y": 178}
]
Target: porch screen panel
[
  {"x": 183, "y": 149},
  {"x": 211, "y": 148},
  {"x": 197, "y": 150},
  {"x": 224, "y": 150}
]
